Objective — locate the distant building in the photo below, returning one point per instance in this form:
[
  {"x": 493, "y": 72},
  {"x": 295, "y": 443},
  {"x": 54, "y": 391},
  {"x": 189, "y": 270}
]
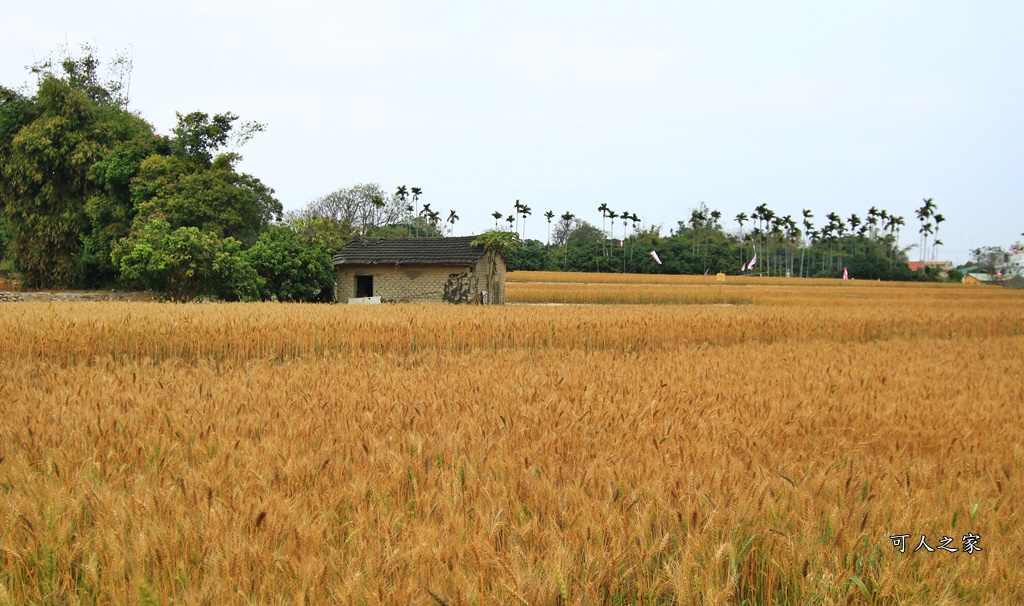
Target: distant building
[
  {"x": 942, "y": 267},
  {"x": 418, "y": 270},
  {"x": 979, "y": 278},
  {"x": 1006, "y": 268}
]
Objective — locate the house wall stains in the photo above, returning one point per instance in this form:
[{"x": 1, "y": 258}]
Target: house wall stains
[
  {"x": 491, "y": 267},
  {"x": 425, "y": 283},
  {"x": 399, "y": 284},
  {"x": 458, "y": 288}
]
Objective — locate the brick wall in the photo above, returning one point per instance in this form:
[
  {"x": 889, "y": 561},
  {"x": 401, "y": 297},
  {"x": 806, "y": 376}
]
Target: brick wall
[
  {"x": 405, "y": 283},
  {"x": 423, "y": 283}
]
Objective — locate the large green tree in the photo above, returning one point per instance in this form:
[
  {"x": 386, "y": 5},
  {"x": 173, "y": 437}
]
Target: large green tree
[
  {"x": 291, "y": 269},
  {"x": 185, "y": 263},
  {"x": 196, "y": 186},
  {"x": 217, "y": 199},
  {"x": 50, "y": 142},
  {"x": 192, "y": 208}
]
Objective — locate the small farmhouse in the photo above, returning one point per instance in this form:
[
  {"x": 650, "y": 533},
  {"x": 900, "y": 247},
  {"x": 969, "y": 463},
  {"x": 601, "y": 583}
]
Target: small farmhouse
[
  {"x": 418, "y": 269},
  {"x": 974, "y": 278}
]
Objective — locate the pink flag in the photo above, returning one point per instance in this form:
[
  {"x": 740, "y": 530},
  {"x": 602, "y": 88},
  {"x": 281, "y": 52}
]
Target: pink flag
[
  {"x": 999, "y": 274},
  {"x": 744, "y": 268},
  {"x": 1013, "y": 250},
  {"x": 752, "y": 261},
  {"x": 846, "y": 276},
  {"x": 654, "y": 256}
]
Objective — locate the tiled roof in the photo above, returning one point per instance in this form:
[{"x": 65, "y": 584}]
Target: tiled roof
[{"x": 409, "y": 251}]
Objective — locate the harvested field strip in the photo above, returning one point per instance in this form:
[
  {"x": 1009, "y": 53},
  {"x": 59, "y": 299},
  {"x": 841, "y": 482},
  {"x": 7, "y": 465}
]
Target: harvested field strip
[
  {"x": 779, "y": 292},
  {"x": 710, "y": 280},
  {"x": 622, "y": 294}
]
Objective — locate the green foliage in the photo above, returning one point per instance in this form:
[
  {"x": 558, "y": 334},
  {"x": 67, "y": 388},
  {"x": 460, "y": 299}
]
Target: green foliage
[
  {"x": 497, "y": 244},
  {"x": 3, "y": 240},
  {"x": 16, "y": 111},
  {"x": 531, "y": 256},
  {"x": 325, "y": 232},
  {"x": 496, "y": 241},
  {"x": 414, "y": 227},
  {"x": 701, "y": 247},
  {"x": 50, "y": 142},
  {"x": 586, "y": 234},
  {"x": 583, "y": 255},
  {"x": 111, "y": 210},
  {"x": 215, "y": 199},
  {"x": 83, "y": 73},
  {"x": 185, "y": 263},
  {"x": 197, "y": 137},
  {"x": 700, "y": 252},
  {"x": 290, "y": 269},
  {"x": 92, "y": 196}
]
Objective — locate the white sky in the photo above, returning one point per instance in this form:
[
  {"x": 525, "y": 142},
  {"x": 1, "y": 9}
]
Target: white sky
[{"x": 651, "y": 108}]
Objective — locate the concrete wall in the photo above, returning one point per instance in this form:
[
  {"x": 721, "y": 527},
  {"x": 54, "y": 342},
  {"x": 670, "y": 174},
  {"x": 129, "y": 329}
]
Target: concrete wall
[{"x": 423, "y": 283}]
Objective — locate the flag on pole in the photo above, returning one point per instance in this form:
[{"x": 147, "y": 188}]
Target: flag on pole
[
  {"x": 744, "y": 268},
  {"x": 999, "y": 274},
  {"x": 654, "y": 256},
  {"x": 1013, "y": 250},
  {"x": 752, "y": 261},
  {"x": 846, "y": 276}
]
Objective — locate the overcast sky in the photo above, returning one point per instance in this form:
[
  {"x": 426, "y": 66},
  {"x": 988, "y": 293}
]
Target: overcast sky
[{"x": 651, "y": 108}]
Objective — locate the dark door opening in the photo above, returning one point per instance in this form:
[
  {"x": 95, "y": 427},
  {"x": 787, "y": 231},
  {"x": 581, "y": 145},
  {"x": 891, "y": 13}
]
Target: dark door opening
[{"x": 364, "y": 286}]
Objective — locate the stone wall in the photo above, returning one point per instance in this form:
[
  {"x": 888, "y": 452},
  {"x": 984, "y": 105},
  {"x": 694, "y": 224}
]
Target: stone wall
[{"x": 16, "y": 297}]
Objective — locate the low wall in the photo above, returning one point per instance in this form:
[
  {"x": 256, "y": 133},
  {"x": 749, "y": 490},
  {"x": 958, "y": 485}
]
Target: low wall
[{"x": 17, "y": 297}]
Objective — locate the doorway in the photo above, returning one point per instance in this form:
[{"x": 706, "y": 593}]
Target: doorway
[{"x": 364, "y": 286}]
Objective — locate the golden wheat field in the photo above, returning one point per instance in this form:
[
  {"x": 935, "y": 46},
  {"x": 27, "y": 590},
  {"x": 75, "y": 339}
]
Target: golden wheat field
[{"x": 761, "y": 452}]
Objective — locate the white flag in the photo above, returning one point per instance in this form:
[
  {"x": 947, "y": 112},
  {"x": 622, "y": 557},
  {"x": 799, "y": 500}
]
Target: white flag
[
  {"x": 654, "y": 256},
  {"x": 744, "y": 268},
  {"x": 752, "y": 261}
]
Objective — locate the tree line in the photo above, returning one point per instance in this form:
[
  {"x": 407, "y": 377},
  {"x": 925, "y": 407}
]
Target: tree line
[
  {"x": 765, "y": 243},
  {"x": 92, "y": 197}
]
